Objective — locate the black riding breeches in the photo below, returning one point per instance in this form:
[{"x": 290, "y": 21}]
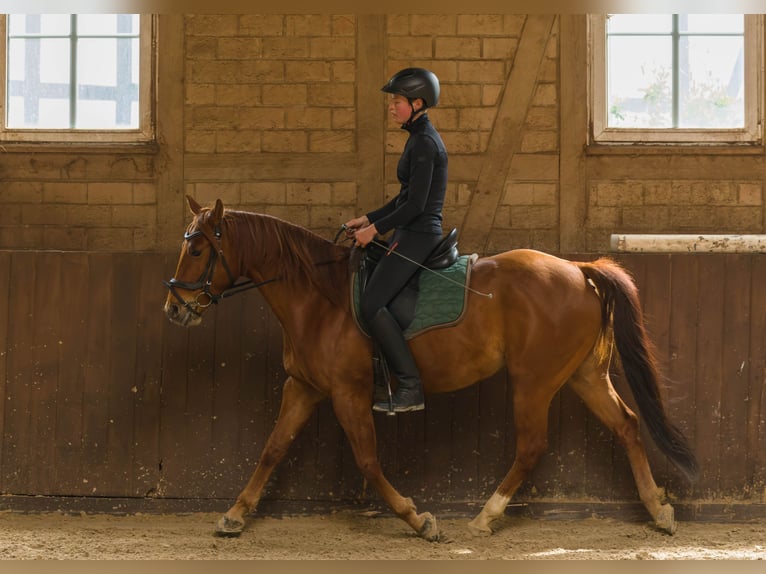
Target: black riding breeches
[{"x": 392, "y": 271}]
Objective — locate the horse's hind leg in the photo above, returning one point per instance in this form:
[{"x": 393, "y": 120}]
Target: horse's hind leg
[
  {"x": 592, "y": 383},
  {"x": 353, "y": 410},
  {"x": 530, "y": 407},
  {"x": 298, "y": 403}
]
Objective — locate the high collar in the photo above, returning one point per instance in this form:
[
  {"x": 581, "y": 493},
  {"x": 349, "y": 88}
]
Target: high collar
[{"x": 417, "y": 123}]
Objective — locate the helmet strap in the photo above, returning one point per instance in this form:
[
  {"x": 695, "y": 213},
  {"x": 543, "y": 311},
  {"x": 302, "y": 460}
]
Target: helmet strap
[{"x": 414, "y": 112}]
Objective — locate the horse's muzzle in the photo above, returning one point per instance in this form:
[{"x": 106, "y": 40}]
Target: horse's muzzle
[{"x": 181, "y": 315}]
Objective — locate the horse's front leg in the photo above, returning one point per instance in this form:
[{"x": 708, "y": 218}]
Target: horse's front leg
[
  {"x": 298, "y": 403},
  {"x": 354, "y": 412}
]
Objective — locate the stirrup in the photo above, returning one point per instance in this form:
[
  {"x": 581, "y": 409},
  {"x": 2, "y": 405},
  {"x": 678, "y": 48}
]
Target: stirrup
[
  {"x": 391, "y": 410},
  {"x": 391, "y": 407}
]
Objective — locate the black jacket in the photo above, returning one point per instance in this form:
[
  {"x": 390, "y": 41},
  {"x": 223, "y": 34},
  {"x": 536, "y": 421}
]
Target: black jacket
[{"x": 422, "y": 172}]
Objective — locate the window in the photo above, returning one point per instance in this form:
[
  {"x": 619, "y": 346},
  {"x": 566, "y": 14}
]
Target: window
[
  {"x": 675, "y": 78},
  {"x": 77, "y": 77}
]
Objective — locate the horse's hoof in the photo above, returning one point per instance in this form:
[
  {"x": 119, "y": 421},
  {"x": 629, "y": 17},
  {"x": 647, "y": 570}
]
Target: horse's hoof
[
  {"x": 429, "y": 531},
  {"x": 229, "y": 528},
  {"x": 479, "y": 529},
  {"x": 666, "y": 519}
]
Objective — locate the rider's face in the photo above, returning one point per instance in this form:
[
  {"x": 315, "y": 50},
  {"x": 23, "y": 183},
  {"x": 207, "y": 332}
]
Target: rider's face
[{"x": 400, "y": 109}]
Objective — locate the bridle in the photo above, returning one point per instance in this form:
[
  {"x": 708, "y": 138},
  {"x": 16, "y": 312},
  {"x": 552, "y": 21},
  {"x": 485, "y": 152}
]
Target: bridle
[{"x": 206, "y": 297}]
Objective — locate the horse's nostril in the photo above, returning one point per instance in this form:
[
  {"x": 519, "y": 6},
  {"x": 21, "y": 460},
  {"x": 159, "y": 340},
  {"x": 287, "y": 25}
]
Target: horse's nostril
[{"x": 172, "y": 310}]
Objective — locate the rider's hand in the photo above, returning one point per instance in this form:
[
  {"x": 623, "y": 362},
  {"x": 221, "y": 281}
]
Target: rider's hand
[
  {"x": 366, "y": 234},
  {"x": 353, "y": 225}
]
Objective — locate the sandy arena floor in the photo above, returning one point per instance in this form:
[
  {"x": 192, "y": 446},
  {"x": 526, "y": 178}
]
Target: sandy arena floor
[{"x": 359, "y": 535}]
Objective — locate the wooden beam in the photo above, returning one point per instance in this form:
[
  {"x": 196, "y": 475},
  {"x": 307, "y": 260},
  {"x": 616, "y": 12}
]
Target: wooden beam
[
  {"x": 507, "y": 131},
  {"x": 171, "y": 207},
  {"x": 573, "y": 200},
  {"x": 370, "y": 111}
]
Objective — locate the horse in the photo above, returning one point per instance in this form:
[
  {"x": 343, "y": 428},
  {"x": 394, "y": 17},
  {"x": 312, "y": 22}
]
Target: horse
[{"x": 549, "y": 322}]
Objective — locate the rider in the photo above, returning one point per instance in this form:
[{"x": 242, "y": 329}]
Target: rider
[{"x": 415, "y": 216}]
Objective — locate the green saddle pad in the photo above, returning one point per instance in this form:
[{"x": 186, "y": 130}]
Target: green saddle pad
[{"x": 441, "y": 297}]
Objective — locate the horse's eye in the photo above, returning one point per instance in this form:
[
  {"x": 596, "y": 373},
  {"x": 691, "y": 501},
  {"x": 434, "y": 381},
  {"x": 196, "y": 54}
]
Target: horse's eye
[{"x": 191, "y": 250}]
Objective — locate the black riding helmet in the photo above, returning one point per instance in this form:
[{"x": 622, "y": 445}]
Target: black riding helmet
[{"x": 413, "y": 83}]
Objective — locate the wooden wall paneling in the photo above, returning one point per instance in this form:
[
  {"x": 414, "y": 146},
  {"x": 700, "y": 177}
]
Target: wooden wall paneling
[
  {"x": 70, "y": 292},
  {"x": 466, "y": 412},
  {"x": 194, "y": 455},
  {"x": 28, "y": 417},
  {"x": 735, "y": 287},
  {"x": 656, "y": 302},
  {"x": 681, "y": 374},
  {"x": 147, "y": 390},
  {"x": 96, "y": 375},
  {"x": 122, "y": 349},
  {"x": 572, "y": 445},
  {"x": 328, "y": 475},
  {"x": 175, "y": 452},
  {"x": 44, "y": 372},
  {"x": 82, "y": 395},
  {"x": 545, "y": 479},
  {"x": 410, "y": 439},
  {"x": 492, "y": 463},
  {"x": 436, "y": 447},
  {"x": 227, "y": 475},
  {"x": 5, "y": 295},
  {"x": 710, "y": 374},
  {"x": 756, "y": 417},
  {"x": 19, "y": 363}
]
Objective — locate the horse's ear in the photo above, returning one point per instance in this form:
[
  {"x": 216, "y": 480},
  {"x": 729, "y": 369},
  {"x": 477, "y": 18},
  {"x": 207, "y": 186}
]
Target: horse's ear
[
  {"x": 193, "y": 205},
  {"x": 217, "y": 211}
]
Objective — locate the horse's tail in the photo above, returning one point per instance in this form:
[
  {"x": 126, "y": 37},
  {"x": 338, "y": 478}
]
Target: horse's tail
[{"x": 621, "y": 309}]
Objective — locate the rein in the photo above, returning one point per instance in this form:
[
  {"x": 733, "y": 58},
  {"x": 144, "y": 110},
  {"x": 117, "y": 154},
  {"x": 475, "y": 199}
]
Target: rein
[{"x": 206, "y": 297}]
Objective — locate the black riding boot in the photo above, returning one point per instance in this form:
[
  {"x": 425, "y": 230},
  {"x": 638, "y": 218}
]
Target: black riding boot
[{"x": 388, "y": 334}]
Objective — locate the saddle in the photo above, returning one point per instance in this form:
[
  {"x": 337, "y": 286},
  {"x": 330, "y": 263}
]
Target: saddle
[{"x": 403, "y": 307}]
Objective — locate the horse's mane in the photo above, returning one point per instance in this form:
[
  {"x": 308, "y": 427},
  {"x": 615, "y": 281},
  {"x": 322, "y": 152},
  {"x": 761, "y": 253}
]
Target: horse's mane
[{"x": 293, "y": 253}]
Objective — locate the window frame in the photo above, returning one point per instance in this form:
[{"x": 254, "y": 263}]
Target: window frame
[
  {"x": 145, "y": 133},
  {"x": 599, "y": 133}
]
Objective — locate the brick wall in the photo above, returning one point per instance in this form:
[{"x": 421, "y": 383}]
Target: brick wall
[
  {"x": 683, "y": 206},
  {"x": 65, "y": 201},
  {"x": 279, "y": 110}
]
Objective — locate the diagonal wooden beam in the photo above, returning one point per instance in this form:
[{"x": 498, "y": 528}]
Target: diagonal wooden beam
[{"x": 506, "y": 132}]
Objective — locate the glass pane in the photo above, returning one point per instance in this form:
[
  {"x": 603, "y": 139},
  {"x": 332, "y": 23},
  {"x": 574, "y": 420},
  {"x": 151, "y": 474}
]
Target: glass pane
[
  {"x": 711, "y": 82},
  {"x": 639, "y": 93},
  {"x": 53, "y": 61},
  {"x": 106, "y": 90},
  {"x": 96, "y": 62},
  {"x": 107, "y": 24},
  {"x": 96, "y": 114},
  {"x": 45, "y": 24},
  {"x": 712, "y": 23},
  {"x": 639, "y": 23},
  {"x": 17, "y": 59},
  {"x": 38, "y": 83}
]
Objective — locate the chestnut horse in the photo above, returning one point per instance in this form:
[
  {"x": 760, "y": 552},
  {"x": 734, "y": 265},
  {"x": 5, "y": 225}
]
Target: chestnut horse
[{"x": 549, "y": 322}]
